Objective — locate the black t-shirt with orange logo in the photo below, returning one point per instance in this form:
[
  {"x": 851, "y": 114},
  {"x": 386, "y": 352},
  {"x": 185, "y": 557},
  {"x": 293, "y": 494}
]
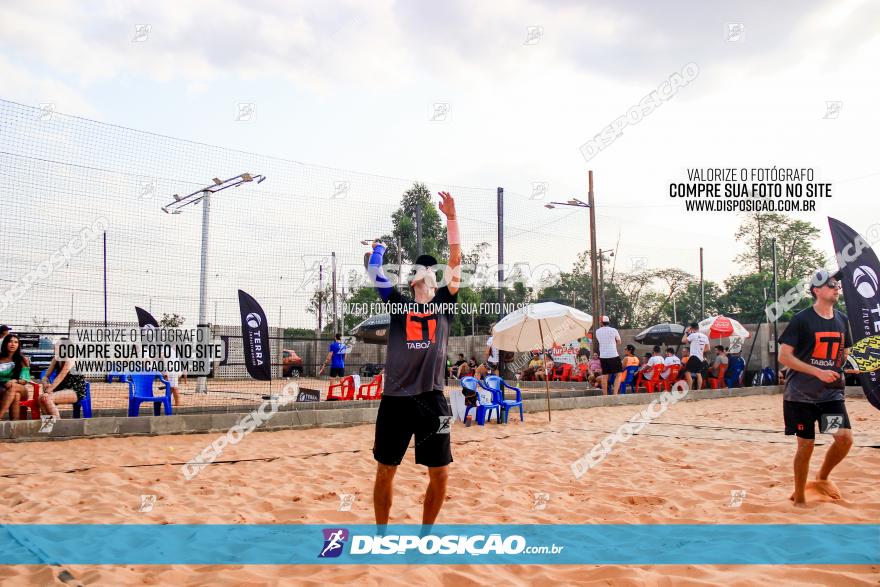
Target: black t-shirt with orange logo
[
  {"x": 819, "y": 342},
  {"x": 415, "y": 360}
]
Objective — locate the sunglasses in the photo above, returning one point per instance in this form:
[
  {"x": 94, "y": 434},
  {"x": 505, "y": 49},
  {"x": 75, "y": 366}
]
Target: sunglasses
[{"x": 833, "y": 285}]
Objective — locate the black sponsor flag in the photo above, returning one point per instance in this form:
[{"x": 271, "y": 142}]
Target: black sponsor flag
[
  {"x": 145, "y": 318},
  {"x": 254, "y": 337},
  {"x": 859, "y": 273}
]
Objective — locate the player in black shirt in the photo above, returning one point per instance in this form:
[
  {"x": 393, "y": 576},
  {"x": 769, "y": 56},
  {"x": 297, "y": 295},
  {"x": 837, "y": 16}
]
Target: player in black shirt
[
  {"x": 814, "y": 347},
  {"x": 413, "y": 403}
]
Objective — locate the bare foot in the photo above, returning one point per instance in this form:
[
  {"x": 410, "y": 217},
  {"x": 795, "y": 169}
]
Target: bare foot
[
  {"x": 799, "y": 502},
  {"x": 825, "y": 487}
]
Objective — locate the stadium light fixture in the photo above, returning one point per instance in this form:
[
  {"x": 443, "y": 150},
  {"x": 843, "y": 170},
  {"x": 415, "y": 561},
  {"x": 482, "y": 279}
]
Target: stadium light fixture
[{"x": 203, "y": 195}]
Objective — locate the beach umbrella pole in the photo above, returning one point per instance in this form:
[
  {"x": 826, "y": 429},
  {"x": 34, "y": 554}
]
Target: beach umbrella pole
[{"x": 546, "y": 375}]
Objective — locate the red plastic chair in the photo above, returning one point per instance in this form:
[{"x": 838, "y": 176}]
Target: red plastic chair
[
  {"x": 345, "y": 387},
  {"x": 561, "y": 373},
  {"x": 566, "y": 372},
  {"x": 714, "y": 382},
  {"x": 654, "y": 380},
  {"x": 33, "y": 404},
  {"x": 667, "y": 383},
  {"x": 371, "y": 390},
  {"x": 582, "y": 373}
]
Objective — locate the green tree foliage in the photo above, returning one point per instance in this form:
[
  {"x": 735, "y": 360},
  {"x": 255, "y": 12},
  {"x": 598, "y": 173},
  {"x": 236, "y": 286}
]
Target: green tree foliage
[
  {"x": 404, "y": 220},
  {"x": 796, "y": 255},
  {"x": 362, "y": 295},
  {"x": 171, "y": 320}
]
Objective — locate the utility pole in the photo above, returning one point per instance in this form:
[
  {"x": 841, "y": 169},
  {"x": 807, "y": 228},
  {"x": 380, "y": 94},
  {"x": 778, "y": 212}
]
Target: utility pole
[
  {"x": 500, "y": 252},
  {"x": 602, "y": 278},
  {"x": 320, "y": 304},
  {"x": 593, "y": 251},
  {"x": 419, "y": 227},
  {"x": 702, "y": 288},
  {"x": 594, "y": 269},
  {"x": 399, "y": 266},
  {"x": 105, "y": 278},
  {"x": 776, "y": 318},
  {"x": 320, "y": 299},
  {"x": 335, "y": 315}
]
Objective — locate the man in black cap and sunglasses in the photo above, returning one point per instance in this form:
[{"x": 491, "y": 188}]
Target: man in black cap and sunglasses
[
  {"x": 814, "y": 347},
  {"x": 413, "y": 403}
]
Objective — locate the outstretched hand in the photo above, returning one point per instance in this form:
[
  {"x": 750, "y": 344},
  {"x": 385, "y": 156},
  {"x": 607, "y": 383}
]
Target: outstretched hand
[{"x": 447, "y": 205}]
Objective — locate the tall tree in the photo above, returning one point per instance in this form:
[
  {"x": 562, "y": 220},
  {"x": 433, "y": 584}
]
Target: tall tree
[
  {"x": 171, "y": 320},
  {"x": 796, "y": 254},
  {"x": 322, "y": 299},
  {"x": 796, "y": 257},
  {"x": 433, "y": 228}
]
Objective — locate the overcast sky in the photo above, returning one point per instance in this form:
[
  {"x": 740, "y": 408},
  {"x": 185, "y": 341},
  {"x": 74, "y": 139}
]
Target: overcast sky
[{"x": 354, "y": 86}]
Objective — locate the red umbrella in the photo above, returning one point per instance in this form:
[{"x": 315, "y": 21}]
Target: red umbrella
[{"x": 722, "y": 327}]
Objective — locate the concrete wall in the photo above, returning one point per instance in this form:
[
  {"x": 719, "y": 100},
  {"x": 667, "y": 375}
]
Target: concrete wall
[{"x": 327, "y": 414}]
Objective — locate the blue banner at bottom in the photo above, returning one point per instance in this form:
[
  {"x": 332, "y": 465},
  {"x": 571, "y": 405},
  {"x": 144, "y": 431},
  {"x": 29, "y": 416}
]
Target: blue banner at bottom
[{"x": 277, "y": 544}]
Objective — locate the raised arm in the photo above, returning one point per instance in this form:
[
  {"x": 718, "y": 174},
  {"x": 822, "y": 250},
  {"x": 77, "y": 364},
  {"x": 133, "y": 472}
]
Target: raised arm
[
  {"x": 447, "y": 206},
  {"x": 375, "y": 273}
]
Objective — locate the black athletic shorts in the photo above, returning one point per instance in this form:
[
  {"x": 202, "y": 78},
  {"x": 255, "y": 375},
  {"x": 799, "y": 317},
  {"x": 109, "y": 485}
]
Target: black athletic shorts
[
  {"x": 801, "y": 418},
  {"x": 612, "y": 365},
  {"x": 337, "y": 371},
  {"x": 694, "y": 365},
  {"x": 426, "y": 416}
]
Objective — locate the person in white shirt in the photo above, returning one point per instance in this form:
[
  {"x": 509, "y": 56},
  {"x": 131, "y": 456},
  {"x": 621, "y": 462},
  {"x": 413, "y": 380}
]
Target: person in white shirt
[
  {"x": 699, "y": 344},
  {"x": 491, "y": 356},
  {"x": 609, "y": 358},
  {"x": 670, "y": 360},
  {"x": 656, "y": 359}
]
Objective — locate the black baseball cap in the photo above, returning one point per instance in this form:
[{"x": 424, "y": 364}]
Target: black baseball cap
[
  {"x": 426, "y": 261},
  {"x": 822, "y": 276}
]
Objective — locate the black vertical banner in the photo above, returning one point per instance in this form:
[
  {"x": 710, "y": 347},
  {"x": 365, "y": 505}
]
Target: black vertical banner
[
  {"x": 254, "y": 337},
  {"x": 145, "y": 318},
  {"x": 859, "y": 269}
]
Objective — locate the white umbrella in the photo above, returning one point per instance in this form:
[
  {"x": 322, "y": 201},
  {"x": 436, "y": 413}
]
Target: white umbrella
[{"x": 536, "y": 325}]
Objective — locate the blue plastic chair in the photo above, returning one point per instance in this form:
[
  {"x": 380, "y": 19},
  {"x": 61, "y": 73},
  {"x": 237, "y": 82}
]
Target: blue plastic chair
[
  {"x": 497, "y": 385},
  {"x": 734, "y": 372},
  {"x": 81, "y": 408},
  {"x": 484, "y": 408},
  {"x": 767, "y": 377},
  {"x": 116, "y": 375},
  {"x": 140, "y": 389},
  {"x": 630, "y": 379}
]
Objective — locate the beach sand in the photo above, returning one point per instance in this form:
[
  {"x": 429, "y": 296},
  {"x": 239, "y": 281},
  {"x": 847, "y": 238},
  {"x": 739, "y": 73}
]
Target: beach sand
[{"x": 680, "y": 469}]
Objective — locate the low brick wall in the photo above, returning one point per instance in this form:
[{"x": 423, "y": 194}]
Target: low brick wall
[{"x": 328, "y": 414}]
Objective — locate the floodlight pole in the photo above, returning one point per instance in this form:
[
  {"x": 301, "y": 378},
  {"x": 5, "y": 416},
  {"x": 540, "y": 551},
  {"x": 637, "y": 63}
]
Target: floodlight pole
[
  {"x": 203, "y": 195},
  {"x": 593, "y": 269},
  {"x": 594, "y": 253},
  {"x": 202, "y": 382}
]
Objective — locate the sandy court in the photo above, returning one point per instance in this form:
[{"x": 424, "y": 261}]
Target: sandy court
[{"x": 680, "y": 469}]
